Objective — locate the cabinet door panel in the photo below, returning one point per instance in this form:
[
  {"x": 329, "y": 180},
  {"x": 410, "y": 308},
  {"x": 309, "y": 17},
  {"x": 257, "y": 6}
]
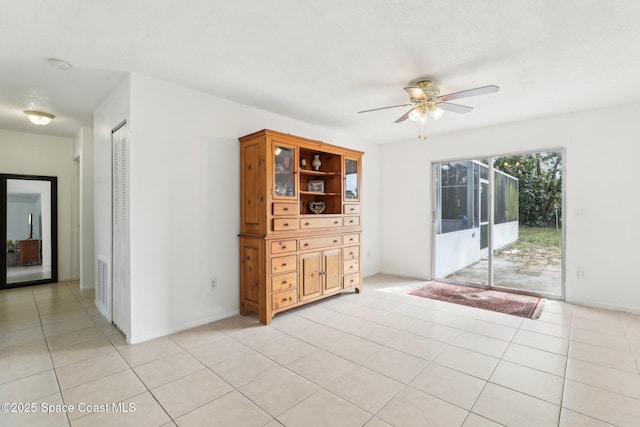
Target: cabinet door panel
[
  {"x": 332, "y": 261},
  {"x": 351, "y": 179},
  {"x": 311, "y": 279},
  {"x": 284, "y": 176}
]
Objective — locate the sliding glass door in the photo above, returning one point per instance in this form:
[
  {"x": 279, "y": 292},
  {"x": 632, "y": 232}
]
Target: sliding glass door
[
  {"x": 29, "y": 232},
  {"x": 497, "y": 223},
  {"x": 461, "y": 222}
]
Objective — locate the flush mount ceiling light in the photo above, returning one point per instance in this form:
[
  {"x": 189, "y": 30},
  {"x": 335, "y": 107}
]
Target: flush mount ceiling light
[
  {"x": 59, "y": 64},
  {"x": 39, "y": 118}
]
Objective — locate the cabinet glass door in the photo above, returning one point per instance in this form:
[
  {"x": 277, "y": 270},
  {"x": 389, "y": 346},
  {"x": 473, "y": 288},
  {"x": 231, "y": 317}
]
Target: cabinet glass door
[
  {"x": 284, "y": 176},
  {"x": 351, "y": 180}
]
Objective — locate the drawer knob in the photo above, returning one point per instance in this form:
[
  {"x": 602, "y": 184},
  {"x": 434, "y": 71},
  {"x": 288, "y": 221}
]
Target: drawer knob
[
  {"x": 335, "y": 241},
  {"x": 305, "y": 245},
  {"x": 306, "y": 223},
  {"x": 285, "y": 209},
  {"x": 286, "y": 224},
  {"x": 284, "y": 265},
  {"x": 336, "y": 222},
  {"x": 284, "y": 247}
]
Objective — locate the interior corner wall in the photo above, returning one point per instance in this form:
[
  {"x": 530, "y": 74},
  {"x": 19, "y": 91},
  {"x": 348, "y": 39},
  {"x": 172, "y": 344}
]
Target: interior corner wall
[
  {"x": 600, "y": 200},
  {"x": 32, "y": 154},
  {"x": 112, "y": 111},
  {"x": 83, "y": 150},
  {"x": 185, "y": 202}
]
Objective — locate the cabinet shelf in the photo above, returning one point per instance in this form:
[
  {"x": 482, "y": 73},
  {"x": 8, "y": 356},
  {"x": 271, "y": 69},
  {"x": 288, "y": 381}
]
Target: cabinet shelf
[
  {"x": 318, "y": 173},
  {"x": 317, "y": 193}
]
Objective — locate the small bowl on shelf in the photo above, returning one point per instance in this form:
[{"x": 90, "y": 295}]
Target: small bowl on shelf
[{"x": 317, "y": 207}]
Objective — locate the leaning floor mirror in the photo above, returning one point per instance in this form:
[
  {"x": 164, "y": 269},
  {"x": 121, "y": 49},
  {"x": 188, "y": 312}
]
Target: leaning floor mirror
[{"x": 29, "y": 218}]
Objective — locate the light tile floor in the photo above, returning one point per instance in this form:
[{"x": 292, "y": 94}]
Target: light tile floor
[{"x": 378, "y": 358}]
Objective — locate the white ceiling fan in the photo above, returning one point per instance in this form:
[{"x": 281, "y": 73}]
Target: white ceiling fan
[{"x": 425, "y": 98}]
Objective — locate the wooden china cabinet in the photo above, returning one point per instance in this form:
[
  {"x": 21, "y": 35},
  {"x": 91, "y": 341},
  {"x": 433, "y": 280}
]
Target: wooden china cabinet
[{"x": 300, "y": 222}]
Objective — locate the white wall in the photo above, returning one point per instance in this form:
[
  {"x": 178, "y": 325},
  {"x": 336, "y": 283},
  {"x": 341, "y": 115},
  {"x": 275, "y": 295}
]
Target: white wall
[
  {"x": 112, "y": 111},
  {"x": 83, "y": 151},
  {"x": 601, "y": 200},
  {"x": 185, "y": 205},
  {"x": 30, "y": 154}
]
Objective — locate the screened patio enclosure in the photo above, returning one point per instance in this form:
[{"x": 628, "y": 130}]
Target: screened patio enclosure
[{"x": 462, "y": 215}]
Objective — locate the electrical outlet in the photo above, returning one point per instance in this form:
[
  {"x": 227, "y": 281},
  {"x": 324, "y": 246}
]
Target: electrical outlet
[
  {"x": 580, "y": 272},
  {"x": 213, "y": 284}
]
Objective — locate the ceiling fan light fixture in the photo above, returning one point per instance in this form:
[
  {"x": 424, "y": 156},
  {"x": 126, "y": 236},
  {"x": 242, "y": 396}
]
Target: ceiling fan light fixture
[
  {"x": 39, "y": 118},
  {"x": 418, "y": 115},
  {"x": 436, "y": 112}
]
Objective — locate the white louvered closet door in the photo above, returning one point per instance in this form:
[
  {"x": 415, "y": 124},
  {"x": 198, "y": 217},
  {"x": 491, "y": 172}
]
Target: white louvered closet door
[{"x": 120, "y": 228}]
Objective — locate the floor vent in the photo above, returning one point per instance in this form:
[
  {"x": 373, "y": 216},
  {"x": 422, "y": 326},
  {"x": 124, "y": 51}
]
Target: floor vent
[{"x": 103, "y": 296}]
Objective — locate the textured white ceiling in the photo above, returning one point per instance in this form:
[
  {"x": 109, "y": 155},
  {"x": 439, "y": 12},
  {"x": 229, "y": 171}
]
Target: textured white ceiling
[{"x": 321, "y": 62}]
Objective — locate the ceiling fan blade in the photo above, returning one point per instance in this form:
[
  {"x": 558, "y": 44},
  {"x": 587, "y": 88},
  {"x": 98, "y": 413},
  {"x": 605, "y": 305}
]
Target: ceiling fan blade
[
  {"x": 454, "y": 108},
  {"x": 470, "y": 92},
  {"x": 415, "y": 92},
  {"x": 384, "y": 108},
  {"x": 405, "y": 116}
]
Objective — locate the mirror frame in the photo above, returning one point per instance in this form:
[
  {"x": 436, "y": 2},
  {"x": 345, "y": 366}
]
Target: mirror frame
[{"x": 3, "y": 229}]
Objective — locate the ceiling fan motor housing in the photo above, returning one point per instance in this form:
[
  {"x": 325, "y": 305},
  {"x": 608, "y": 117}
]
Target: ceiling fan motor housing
[{"x": 429, "y": 89}]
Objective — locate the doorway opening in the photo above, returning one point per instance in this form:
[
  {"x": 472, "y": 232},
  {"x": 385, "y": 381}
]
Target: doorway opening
[{"x": 498, "y": 223}]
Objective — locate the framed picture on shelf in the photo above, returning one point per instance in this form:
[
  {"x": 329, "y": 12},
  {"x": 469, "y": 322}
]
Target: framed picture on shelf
[{"x": 316, "y": 186}]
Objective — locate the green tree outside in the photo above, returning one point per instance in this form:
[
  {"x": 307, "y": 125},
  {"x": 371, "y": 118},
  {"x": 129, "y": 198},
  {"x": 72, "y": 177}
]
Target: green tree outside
[{"x": 540, "y": 185}]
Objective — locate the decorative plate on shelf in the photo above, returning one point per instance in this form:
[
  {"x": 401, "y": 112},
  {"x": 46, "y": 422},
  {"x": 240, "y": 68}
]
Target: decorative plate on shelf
[{"x": 317, "y": 207}]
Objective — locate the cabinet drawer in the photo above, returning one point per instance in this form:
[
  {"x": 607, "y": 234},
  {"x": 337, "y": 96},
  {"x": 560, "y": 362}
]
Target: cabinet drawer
[
  {"x": 351, "y": 252},
  {"x": 351, "y": 280},
  {"x": 284, "y": 299},
  {"x": 320, "y": 242},
  {"x": 283, "y": 224},
  {"x": 282, "y": 282},
  {"x": 307, "y": 223},
  {"x": 284, "y": 209},
  {"x": 352, "y": 266},
  {"x": 350, "y": 221},
  {"x": 283, "y": 246},
  {"x": 351, "y": 238},
  {"x": 351, "y": 209},
  {"x": 284, "y": 264}
]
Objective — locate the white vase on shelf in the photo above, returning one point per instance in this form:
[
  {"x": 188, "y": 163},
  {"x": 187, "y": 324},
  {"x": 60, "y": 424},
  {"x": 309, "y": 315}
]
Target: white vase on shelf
[{"x": 316, "y": 162}]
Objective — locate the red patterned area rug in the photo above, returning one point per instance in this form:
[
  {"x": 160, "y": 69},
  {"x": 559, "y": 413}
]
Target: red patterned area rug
[{"x": 502, "y": 302}]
